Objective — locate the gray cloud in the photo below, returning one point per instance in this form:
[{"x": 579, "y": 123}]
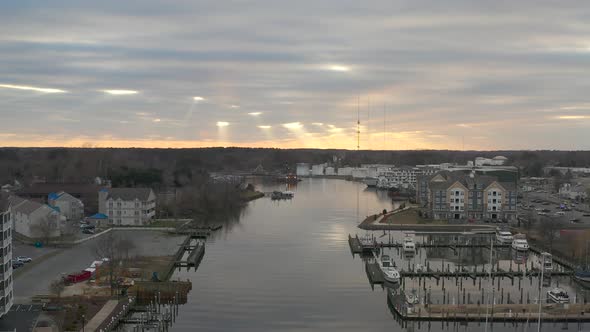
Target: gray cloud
[{"x": 445, "y": 70}]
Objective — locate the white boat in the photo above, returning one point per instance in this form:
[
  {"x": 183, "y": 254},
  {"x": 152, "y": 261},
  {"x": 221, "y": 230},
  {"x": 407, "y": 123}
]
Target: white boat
[
  {"x": 546, "y": 262},
  {"x": 520, "y": 243},
  {"x": 558, "y": 295},
  {"x": 412, "y": 299},
  {"x": 504, "y": 237},
  {"x": 409, "y": 246},
  {"x": 367, "y": 242},
  {"x": 388, "y": 269}
]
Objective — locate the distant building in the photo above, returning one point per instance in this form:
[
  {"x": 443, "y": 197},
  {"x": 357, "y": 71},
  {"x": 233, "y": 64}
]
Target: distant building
[
  {"x": 318, "y": 170},
  {"x": 6, "y": 298},
  {"x": 69, "y": 206},
  {"x": 359, "y": 173},
  {"x": 496, "y": 161},
  {"x": 573, "y": 191},
  {"x": 457, "y": 195},
  {"x": 330, "y": 171},
  {"x": 86, "y": 192},
  {"x": 35, "y": 220},
  {"x": 127, "y": 206},
  {"x": 303, "y": 169},
  {"x": 344, "y": 171},
  {"x": 575, "y": 171},
  {"x": 99, "y": 220}
]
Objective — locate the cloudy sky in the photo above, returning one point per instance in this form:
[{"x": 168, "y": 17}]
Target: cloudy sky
[{"x": 426, "y": 74}]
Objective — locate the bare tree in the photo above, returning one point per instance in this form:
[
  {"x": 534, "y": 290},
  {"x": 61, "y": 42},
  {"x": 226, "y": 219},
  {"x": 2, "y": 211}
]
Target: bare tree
[
  {"x": 44, "y": 229},
  {"x": 548, "y": 228},
  {"x": 57, "y": 287},
  {"x": 106, "y": 250}
]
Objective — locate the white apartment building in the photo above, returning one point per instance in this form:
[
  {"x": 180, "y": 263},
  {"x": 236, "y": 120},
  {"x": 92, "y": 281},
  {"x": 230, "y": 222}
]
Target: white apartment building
[
  {"x": 68, "y": 205},
  {"x": 302, "y": 169},
  {"x": 318, "y": 170},
  {"x": 6, "y": 297},
  {"x": 127, "y": 206},
  {"x": 35, "y": 220}
]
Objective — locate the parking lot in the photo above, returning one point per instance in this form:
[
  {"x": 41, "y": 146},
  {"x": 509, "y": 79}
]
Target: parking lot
[
  {"x": 550, "y": 203},
  {"x": 36, "y": 279}
]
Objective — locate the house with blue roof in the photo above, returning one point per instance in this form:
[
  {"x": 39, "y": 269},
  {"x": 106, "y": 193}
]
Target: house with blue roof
[{"x": 69, "y": 206}]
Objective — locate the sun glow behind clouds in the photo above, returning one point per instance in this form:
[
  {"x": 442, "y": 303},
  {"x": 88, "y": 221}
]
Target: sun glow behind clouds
[
  {"x": 198, "y": 98},
  {"x": 254, "y": 113},
  {"x": 573, "y": 117},
  {"x": 222, "y": 124},
  {"x": 120, "y": 92},
  {"x": 264, "y": 127},
  {"x": 293, "y": 125},
  {"x": 339, "y": 68},
  {"x": 31, "y": 88}
]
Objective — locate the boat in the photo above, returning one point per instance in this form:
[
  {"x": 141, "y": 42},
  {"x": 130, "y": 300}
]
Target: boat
[
  {"x": 387, "y": 266},
  {"x": 520, "y": 243},
  {"x": 503, "y": 237},
  {"x": 412, "y": 299},
  {"x": 409, "y": 246},
  {"x": 558, "y": 295},
  {"x": 367, "y": 242},
  {"x": 371, "y": 181},
  {"x": 582, "y": 275},
  {"x": 276, "y": 195},
  {"x": 546, "y": 262}
]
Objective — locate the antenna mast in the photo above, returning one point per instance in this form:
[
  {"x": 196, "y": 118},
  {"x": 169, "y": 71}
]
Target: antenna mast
[{"x": 358, "y": 123}]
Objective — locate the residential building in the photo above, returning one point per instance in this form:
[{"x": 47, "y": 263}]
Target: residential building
[
  {"x": 127, "y": 206},
  {"x": 6, "y": 297},
  {"x": 69, "y": 206},
  {"x": 344, "y": 171},
  {"x": 318, "y": 170},
  {"x": 86, "y": 192},
  {"x": 303, "y": 169},
  {"x": 330, "y": 171},
  {"x": 457, "y": 195},
  {"x": 35, "y": 220}
]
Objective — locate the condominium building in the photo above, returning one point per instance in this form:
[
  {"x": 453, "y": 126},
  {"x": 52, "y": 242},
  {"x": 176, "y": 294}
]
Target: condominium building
[
  {"x": 127, "y": 206},
  {"x": 35, "y": 220},
  {"x": 69, "y": 206},
  {"x": 6, "y": 299},
  {"x": 457, "y": 195}
]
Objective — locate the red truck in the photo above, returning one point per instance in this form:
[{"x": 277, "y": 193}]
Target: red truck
[{"x": 78, "y": 277}]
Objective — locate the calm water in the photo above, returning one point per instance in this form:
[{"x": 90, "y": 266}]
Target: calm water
[{"x": 287, "y": 266}]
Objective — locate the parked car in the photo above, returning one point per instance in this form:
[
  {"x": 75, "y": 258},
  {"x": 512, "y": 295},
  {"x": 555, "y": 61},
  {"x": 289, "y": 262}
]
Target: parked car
[
  {"x": 88, "y": 231},
  {"x": 24, "y": 259},
  {"x": 16, "y": 263}
]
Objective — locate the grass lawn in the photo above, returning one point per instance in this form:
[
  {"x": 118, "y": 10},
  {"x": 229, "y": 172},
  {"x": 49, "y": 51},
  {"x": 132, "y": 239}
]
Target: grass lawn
[{"x": 410, "y": 217}]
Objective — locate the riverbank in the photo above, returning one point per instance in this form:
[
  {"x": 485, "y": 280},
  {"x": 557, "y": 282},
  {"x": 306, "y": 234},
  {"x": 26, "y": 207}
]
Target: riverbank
[{"x": 250, "y": 195}]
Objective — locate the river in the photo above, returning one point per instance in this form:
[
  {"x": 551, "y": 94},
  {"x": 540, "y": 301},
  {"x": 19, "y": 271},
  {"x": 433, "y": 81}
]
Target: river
[{"x": 287, "y": 266}]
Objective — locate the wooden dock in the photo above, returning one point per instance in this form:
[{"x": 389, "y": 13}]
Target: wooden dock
[
  {"x": 194, "y": 258},
  {"x": 357, "y": 248},
  {"x": 477, "y": 313},
  {"x": 375, "y": 276}
]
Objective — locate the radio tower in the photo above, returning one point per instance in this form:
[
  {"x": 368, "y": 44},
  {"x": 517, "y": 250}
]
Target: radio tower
[{"x": 358, "y": 123}]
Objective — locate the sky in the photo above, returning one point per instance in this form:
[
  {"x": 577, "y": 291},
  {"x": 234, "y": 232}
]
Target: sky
[{"x": 431, "y": 74}]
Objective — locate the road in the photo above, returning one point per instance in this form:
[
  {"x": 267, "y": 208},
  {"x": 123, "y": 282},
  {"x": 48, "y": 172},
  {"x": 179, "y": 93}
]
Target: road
[{"x": 36, "y": 279}]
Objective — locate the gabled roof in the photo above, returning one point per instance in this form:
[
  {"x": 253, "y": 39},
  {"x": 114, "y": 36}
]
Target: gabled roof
[
  {"x": 27, "y": 207},
  {"x": 129, "y": 194},
  {"x": 4, "y": 203}
]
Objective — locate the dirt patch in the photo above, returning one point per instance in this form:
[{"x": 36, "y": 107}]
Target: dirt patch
[{"x": 70, "y": 313}]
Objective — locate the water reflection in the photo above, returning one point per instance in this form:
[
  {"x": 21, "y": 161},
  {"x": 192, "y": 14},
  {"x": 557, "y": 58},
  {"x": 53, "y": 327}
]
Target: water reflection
[{"x": 288, "y": 267}]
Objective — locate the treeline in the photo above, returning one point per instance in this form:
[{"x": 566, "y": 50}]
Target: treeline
[{"x": 178, "y": 167}]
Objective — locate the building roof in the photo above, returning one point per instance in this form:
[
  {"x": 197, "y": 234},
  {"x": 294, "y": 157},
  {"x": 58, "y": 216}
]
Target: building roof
[
  {"x": 26, "y": 206},
  {"x": 129, "y": 194},
  {"x": 469, "y": 181},
  {"x": 99, "y": 216}
]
